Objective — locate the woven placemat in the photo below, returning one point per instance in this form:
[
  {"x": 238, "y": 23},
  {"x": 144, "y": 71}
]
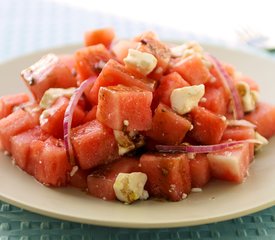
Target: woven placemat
[
  {"x": 30, "y": 25},
  {"x": 16, "y": 223}
]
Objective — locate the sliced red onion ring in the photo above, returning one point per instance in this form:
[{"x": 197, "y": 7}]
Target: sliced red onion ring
[
  {"x": 240, "y": 123},
  {"x": 68, "y": 117},
  {"x": 237, "y": 105},
  {"x": 202, "y": 148}
]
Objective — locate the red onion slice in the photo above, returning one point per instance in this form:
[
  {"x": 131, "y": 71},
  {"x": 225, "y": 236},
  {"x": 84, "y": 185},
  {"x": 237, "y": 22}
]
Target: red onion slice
[
  {"x": 68, "y": 117},
  {"x": 201, "y": 148},
  {"x": 240, "y": 123},
  {"x": 237, "y": 105}
]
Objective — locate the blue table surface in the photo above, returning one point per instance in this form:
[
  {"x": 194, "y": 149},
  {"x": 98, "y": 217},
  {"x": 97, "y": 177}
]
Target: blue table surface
[{"x": 30, "y": 25}]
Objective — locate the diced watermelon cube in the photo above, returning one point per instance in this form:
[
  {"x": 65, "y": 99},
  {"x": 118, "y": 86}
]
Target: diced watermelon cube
[
  {"x": 167, "y": 84},
  {"x": 94, "y": 144},
  {"x": 167, "y": 126},
  {"x": 216, "y": 100},
  {"x": 101, "y": 180},
  {"x": 193, "y": 70},
  {"x": 69, "y": 61},
  {"x": 48, "y": 72},
  {"x": 90, "y": 60},
  {"x": 230, "y": 164},
  {"x": 53, "y": 121},
  {"x": 78, "y": 179},
  {"x": 8, "y": 102},
  {"x": 199, "y": 170},
  {"x": 240, "y": 133},
  {"x": 118, "y": 104},
  {"x": 168, "y": 175},
  {"x": 49, "y": 158},
  {"x": 20, "y": 145},
  {"x": 208, "y": 128},
  {"x": 104, "y": 36},
  {"x": 150, "y": 44},
  {"x": 264, "y": 118},
  {"x": 115, "y": 73},
  {"x": 17, "y": 122}
]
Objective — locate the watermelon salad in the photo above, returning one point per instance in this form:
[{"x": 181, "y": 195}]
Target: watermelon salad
[{"x": 135, "y": 119}]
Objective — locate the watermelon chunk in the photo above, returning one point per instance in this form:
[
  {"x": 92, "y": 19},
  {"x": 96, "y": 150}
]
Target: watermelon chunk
[
  {"x": 264, "y": 118},
  {"x": 150, "y": 44},
  {"x": 208, "y": 127},
  {"x": 101, "y": 180},
  {"x": 48, "y": 72},
  {"x": 53, "y": 121},
  {"x": 94, "y": 144},
  {"x": 8, "y": 102},
  {"x": 20, "y": 145},
  {"x": 199, "y": 170},
  {"x": 216, "y": 100},
  {"x": 167, "y": 84},
  {"x": 49, "y": 158},
  {"x": 168, "y": 175},
  {"x": 118, "y": 104},
  {"x": 167, "y": 126},
  {"x": 104, "y": 36},
  {"x": 193, "y": 70},
  {"x": 240, "y": 133},
  {"x": 17, "y": 122},
  {"x": 230, "y": 164},
  {"x": 90, "y": 60},
  {"x": 78, "y": 178},
  {"x": 115, "y": 73}
]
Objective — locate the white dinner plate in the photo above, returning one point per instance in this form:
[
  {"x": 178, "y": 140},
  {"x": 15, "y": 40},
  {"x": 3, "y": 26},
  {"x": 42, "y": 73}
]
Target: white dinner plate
[{"x": 217, "y": 202}]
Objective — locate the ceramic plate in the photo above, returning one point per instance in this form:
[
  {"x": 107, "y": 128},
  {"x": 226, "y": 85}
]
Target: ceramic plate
[{"x": 218, "y": 201}]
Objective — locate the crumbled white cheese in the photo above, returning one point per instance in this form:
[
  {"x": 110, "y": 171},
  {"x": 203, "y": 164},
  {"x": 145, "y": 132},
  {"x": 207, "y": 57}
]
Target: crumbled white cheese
[
  {"x": 189, "y": 49},
  {"x": 43, "y": 118},
  {"x": 255, "y": 94},
  {"x": 196, "y": 190},
  {"x": 129, "y": 187},
  {"x": 263, "y": 141},
  {"x": 203, "y": 100},
  {"x": 128, "y": 141},
  {"x": 52, "y": 94},
  {"x": 124, "y": 142},
  {"x": 249, "y": 98},
  {"x": 142, "y": 61},
  {"x": 184, "y": 99},
  {"x": 126, "y": 123},
  {"x": 186, "y": 49},
  {"x": 74, "y": 170},
  {"x": 223, "y": 118},
  {"x": 183, "y": 196}
]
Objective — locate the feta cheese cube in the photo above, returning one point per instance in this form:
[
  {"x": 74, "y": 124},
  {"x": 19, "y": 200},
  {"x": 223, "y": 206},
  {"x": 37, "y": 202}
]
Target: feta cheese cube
[
  {"x": 262, "y": 141},
  {"x": 184, "y": 99},
  {"x": 186, "y": 49},
  {"x": 249, "y": 98},
  {"x": 128, "y": 141},
  {"x": 129, "y": 187},
  {"x": 52, "y": 94},
  {"x": 142, "y": 61}
]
